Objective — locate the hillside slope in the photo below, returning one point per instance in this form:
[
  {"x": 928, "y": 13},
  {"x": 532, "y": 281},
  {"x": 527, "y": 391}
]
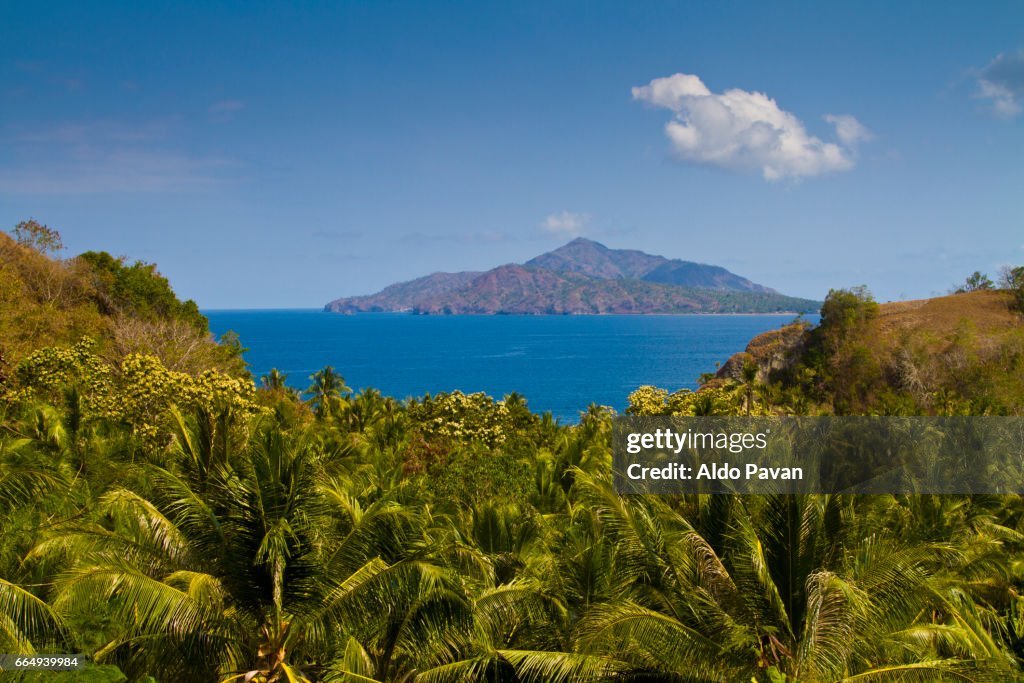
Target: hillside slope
[
  {"x": 407, "y": 296},
  {"x": 49, "y": 301},
  {"x": 962, "y": 353}
]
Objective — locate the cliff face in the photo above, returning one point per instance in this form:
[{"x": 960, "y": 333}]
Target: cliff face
[
  {"x": 771, "y": 351},
  {"x": 584, "y": 278}
]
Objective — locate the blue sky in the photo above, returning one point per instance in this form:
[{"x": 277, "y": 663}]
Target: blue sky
[{"x": 265, "y": 155}]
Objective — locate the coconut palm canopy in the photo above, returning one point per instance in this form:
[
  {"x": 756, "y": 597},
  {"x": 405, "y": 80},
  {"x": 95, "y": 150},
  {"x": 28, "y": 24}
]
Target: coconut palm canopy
[{"x": 251, "y": 536}]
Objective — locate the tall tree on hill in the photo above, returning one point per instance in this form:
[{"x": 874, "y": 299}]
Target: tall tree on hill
[
  {"x": 976, "y": 281},
  {"x": 1012, "y": 278},
  {"x": 35, "y": 235}
]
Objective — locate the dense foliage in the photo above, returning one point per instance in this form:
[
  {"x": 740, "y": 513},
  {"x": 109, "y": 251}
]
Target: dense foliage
[
  {"x": 177, "y": 523},
  {"x": 139, "y": 290},
  {"x": 181, "y": 527}
]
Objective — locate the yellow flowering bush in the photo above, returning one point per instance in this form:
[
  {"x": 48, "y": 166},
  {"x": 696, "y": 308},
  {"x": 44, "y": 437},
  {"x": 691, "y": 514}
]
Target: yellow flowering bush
[
  {"x": 463, "y": 417},
  {"x": 648, "y": 400},
  {"x": 53, "y": 367},
  {"x": 728, "y": 400},
  {"x": 139, "y": 392}
]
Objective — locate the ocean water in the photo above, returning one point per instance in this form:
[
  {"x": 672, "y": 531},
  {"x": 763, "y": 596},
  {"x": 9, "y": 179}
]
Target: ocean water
[{"x": 560, "y": 364}]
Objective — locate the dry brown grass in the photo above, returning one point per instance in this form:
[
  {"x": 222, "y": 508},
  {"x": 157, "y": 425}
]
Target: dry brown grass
[{"x": 988, "y": 313}]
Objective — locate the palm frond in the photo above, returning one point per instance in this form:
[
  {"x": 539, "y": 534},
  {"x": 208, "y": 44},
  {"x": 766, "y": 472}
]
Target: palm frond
[{"x": 26, "y": 622}]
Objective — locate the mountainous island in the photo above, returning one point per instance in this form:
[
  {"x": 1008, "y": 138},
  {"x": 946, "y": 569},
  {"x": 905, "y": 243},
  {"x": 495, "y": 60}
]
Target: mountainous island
[{"x": 582, "y": 277}]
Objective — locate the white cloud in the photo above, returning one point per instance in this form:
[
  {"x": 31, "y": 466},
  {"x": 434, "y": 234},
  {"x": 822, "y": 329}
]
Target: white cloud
[
  {"x": 1002, "y": 83},
  {"x": 747, "y": 131},
  {"x": 1003, "y": 101},
  {"x": 566, "y": 223},
  {"x": 849, "y": 130}
]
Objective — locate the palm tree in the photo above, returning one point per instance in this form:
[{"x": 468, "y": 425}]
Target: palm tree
[
  {"x": 36, "y": 490},
  {"x": 27, "y": 624},
  {"x": 798, "y": 586},
  {"x": 327, "y": 389},
  {"x": 262, "y": 570},
  {"x": 365, "y": 408},
  {"x": 275, "y": 380},
  {"x": 704, "y": 404}
]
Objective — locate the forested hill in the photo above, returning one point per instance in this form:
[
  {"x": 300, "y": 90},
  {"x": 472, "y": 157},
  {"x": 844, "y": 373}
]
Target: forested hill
[
  {"x": 123, "y": 307},
  {"x": 581, "y": 277}
]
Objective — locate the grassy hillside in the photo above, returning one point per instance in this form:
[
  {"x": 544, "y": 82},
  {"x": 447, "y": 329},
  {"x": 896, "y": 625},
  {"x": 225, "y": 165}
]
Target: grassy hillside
[{"x": 956, "y": 354}]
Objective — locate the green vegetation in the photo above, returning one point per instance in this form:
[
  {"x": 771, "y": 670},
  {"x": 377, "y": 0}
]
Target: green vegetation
[
  {"x": 182, "y": 525},
  {"x": 139, "y": 290},
  {"x": 975, "y": 281},
  {"x": 195, "y": 528},
  {"x": 955, "y": 355}
]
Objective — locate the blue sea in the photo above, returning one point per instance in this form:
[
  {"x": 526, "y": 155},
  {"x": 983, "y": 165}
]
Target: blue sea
[{"x": 560, "y": 364}]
